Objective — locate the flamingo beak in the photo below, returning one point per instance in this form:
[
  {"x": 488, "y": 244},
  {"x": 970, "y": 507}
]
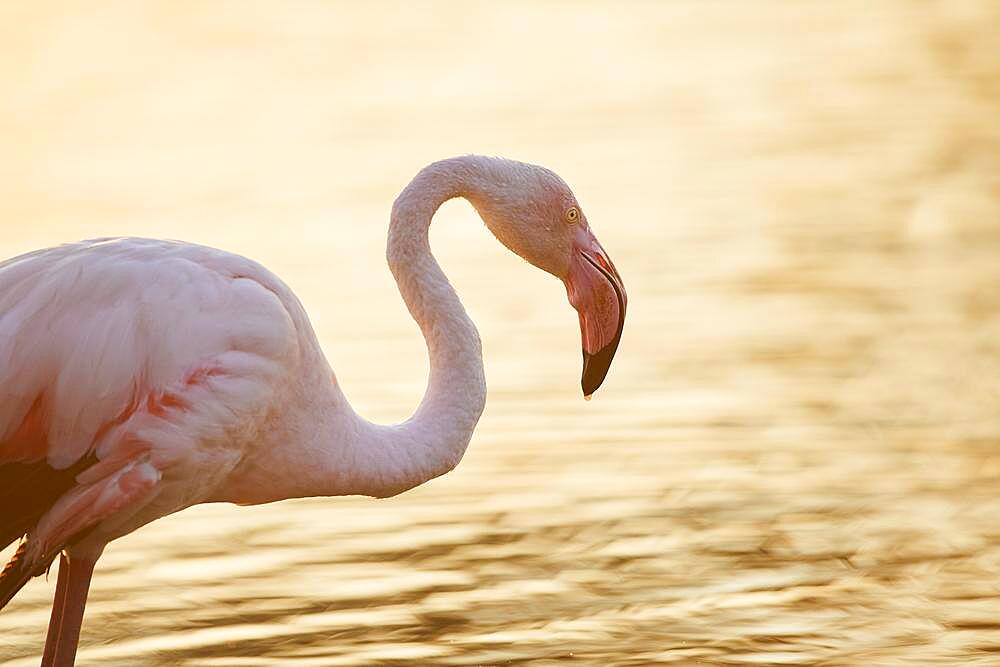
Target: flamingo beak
[{"x": 596, "y": 292}]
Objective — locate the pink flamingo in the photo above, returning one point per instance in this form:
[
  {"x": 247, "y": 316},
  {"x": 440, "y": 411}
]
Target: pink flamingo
[{"x": 139, "y": 377}]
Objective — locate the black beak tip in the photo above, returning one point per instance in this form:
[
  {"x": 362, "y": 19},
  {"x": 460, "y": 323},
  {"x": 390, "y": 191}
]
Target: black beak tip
[{"x": 595, "y": 368}]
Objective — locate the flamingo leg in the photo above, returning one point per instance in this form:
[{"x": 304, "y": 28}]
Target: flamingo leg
[
  {"x": 67, "y": 611},
  {"x": 58, "y": 605}
]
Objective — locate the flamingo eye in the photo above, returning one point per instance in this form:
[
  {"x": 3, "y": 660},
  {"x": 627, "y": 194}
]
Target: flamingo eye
[{"x": 572, "y": 215}]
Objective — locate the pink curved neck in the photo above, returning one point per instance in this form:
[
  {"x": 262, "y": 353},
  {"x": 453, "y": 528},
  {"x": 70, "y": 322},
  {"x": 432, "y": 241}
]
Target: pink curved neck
[
  {"x": 432, "y": 441},
  {"x": 321, "y": 446}
]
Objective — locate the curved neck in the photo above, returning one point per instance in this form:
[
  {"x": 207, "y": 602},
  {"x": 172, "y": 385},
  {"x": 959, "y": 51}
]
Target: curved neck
[
  {"x": 320, "y": 446},
  {"x": 432, "y": 441}
]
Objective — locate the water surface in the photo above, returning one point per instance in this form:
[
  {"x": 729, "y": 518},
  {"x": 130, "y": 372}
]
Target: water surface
[{"x": 795, "y": 459}]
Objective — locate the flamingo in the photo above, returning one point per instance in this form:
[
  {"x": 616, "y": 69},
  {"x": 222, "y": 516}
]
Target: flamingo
[{"x": 139, "y": 377}]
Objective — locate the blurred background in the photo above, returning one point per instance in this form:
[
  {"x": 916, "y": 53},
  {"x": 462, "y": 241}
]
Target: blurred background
[{"x": 795, "y": 459}]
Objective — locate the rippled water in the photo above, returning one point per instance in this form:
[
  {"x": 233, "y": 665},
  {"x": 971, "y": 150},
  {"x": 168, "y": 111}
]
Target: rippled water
[{"x": 795, "y": 460}]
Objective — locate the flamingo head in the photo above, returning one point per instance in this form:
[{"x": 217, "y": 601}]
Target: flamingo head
[{"x": 533, "y": 212}]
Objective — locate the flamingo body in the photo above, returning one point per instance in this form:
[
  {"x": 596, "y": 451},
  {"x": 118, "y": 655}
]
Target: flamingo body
[{"x": 160, "y": 363}]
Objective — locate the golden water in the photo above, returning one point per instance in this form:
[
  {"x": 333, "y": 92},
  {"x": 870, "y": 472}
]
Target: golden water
[{"x": 796, "y": 458}]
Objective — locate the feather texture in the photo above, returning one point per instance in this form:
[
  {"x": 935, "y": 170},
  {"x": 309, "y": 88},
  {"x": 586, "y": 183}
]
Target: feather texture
[{"x": 121, "y": 361}]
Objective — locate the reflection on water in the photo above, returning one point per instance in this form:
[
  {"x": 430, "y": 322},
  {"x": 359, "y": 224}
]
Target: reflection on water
[{"x": 795, "y": 459}]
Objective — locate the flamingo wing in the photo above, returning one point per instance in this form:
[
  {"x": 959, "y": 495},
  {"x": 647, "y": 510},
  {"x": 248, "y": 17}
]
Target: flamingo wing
[{"x": 118, "y": 358}]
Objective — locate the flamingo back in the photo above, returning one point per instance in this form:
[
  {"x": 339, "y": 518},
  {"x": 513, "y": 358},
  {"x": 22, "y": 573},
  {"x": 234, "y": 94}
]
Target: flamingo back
[{"x": 122, "y": 353}]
